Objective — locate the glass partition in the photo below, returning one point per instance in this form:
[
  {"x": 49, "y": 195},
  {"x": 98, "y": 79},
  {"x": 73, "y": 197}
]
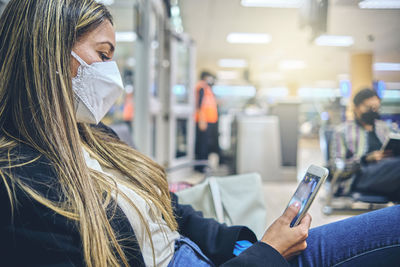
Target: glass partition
[
  {"x": 181, "y": 145},
  {"x": 121, "y": 115},
  {"x": 155, "y": 54},
  {"x": 181, "y": 87}
]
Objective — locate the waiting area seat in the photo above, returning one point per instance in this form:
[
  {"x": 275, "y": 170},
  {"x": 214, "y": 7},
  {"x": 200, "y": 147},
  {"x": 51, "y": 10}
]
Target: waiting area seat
[
  {"x": 341, "y": 197},
  {"x": 369, "y": 198}
]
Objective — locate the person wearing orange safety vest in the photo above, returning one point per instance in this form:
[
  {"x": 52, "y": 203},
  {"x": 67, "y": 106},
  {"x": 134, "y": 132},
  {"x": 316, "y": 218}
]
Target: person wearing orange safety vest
[{"x": 206, "y": 119}]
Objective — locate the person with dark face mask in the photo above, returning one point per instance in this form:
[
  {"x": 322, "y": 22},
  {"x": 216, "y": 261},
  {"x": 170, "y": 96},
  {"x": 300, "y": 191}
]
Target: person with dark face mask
[{"x": 360, "y": 141}]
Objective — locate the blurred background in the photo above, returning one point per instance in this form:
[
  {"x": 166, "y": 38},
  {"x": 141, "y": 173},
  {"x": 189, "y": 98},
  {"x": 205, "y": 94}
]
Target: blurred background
[{"x": 285, "y": 71}]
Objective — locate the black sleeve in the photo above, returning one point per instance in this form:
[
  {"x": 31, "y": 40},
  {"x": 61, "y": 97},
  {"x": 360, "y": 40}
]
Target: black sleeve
[
  {"x": 259, "y": 254},
  {"x": 217, "y": 240},
  {"x": 201, "y": 96},
  {"x": 34, "y": 235},
  {"x": 37, "y": 236}
]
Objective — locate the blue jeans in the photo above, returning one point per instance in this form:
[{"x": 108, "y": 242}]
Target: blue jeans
[
  {"x": 370, "y": 239},
  {"x": 187, "y": 253}
]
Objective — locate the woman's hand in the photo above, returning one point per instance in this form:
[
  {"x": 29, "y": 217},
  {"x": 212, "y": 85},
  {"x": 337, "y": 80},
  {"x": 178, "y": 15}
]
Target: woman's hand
[{"x": 288, "y": 241}]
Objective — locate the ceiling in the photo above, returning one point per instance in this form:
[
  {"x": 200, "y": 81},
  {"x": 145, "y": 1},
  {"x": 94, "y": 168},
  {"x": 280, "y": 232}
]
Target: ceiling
[{"x": 209, "y": 22}]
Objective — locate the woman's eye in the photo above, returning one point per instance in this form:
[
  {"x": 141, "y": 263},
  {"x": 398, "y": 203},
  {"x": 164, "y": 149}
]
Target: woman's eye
[{"x": 104, "y": 57}]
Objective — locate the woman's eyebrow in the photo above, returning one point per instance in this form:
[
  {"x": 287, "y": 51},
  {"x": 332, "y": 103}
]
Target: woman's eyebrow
[{"x": 112, "y": 48}]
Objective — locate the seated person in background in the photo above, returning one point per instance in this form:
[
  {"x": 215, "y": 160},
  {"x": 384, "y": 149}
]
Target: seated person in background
[
  {"x": 73, "y": 194},
  {"x": 360, "y": 141}
]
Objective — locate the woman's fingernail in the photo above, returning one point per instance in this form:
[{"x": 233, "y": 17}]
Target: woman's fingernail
[{"x": 297, "y": 204}]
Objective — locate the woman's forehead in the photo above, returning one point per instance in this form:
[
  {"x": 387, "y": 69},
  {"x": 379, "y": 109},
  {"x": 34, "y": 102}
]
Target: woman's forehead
[{"x": 104, "y": 33}]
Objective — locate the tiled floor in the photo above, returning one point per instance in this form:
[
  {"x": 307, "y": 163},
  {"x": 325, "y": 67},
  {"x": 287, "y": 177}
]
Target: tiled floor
[{"x": 277, "y": 194}]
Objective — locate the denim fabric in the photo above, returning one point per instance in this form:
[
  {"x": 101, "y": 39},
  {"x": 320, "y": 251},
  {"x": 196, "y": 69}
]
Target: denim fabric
[
  {"x": 370, "y": 239},
  {"x": 188, "y": 253}
]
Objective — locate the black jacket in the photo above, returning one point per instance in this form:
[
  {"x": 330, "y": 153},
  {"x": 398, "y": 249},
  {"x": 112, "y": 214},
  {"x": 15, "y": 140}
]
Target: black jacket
[{"x": 37, "y": 236}]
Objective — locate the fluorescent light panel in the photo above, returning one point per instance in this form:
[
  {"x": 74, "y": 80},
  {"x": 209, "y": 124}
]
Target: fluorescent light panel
[
  {"x": 232, "y": 63},
  {"x": 227, "y": 75},
  {"x": 292, "y": 65},
  {"x": 380, "y": 4},
  {"x": 385, "y": 66},
  {"x": 272, "y": 3},
  {"x": 334, "y": 40},
  {"x": 248, "y": 38},
  {"x": 125, "y": 36}
]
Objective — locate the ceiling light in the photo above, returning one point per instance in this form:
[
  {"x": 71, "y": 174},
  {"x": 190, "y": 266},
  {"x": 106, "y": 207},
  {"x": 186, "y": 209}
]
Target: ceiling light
[
  {"x": 248, "y": 38},
  {"x": 334, "y": 40},
  {"x": 272, "y": 3},
  {"x": 125, "y": 36},
  {"x": 380, "y": 4},
  {"x": 227, "y": 75},
  {"x": 292, "y": 65},
  {"x": 232, "y": 63},
  {"x": 384, "y": 66}
]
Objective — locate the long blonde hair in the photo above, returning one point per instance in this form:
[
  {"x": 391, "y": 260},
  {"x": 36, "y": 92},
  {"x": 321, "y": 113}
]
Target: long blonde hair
[{"x": 37, "y": 109}]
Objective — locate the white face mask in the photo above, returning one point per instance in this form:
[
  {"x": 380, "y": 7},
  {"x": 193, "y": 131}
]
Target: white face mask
[{"x": 96, "y": 87}]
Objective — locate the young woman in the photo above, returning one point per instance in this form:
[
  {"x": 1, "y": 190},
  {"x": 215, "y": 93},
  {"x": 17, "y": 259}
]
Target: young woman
[{"x": 72, "y": 194}]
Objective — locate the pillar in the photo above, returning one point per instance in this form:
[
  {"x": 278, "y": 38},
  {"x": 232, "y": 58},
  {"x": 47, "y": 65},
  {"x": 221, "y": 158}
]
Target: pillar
[{"x": 361, "y": 76}]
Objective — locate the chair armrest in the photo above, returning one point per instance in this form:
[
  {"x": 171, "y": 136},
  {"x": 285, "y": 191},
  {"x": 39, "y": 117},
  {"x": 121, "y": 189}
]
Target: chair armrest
[{"x": 345, "y": 169}]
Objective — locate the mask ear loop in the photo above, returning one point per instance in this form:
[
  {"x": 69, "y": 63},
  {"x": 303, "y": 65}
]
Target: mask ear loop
[{"x": 80, "y": 60}]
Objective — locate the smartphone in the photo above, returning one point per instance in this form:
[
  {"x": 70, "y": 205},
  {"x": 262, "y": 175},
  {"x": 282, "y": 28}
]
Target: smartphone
[{"x": 307, "y": 190}]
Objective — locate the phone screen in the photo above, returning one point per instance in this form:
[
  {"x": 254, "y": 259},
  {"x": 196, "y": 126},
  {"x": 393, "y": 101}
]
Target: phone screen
[{"x": 304, "y": 192}]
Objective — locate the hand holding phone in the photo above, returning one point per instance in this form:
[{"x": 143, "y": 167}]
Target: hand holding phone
[
  {"x": 307, "y": 190},
  {"x": 289, "y": 232},
  {"x": 288, "y": 241}
]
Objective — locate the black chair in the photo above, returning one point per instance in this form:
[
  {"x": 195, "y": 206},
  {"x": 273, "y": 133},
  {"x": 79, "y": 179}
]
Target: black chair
[{"x": 341, "y": 197}]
